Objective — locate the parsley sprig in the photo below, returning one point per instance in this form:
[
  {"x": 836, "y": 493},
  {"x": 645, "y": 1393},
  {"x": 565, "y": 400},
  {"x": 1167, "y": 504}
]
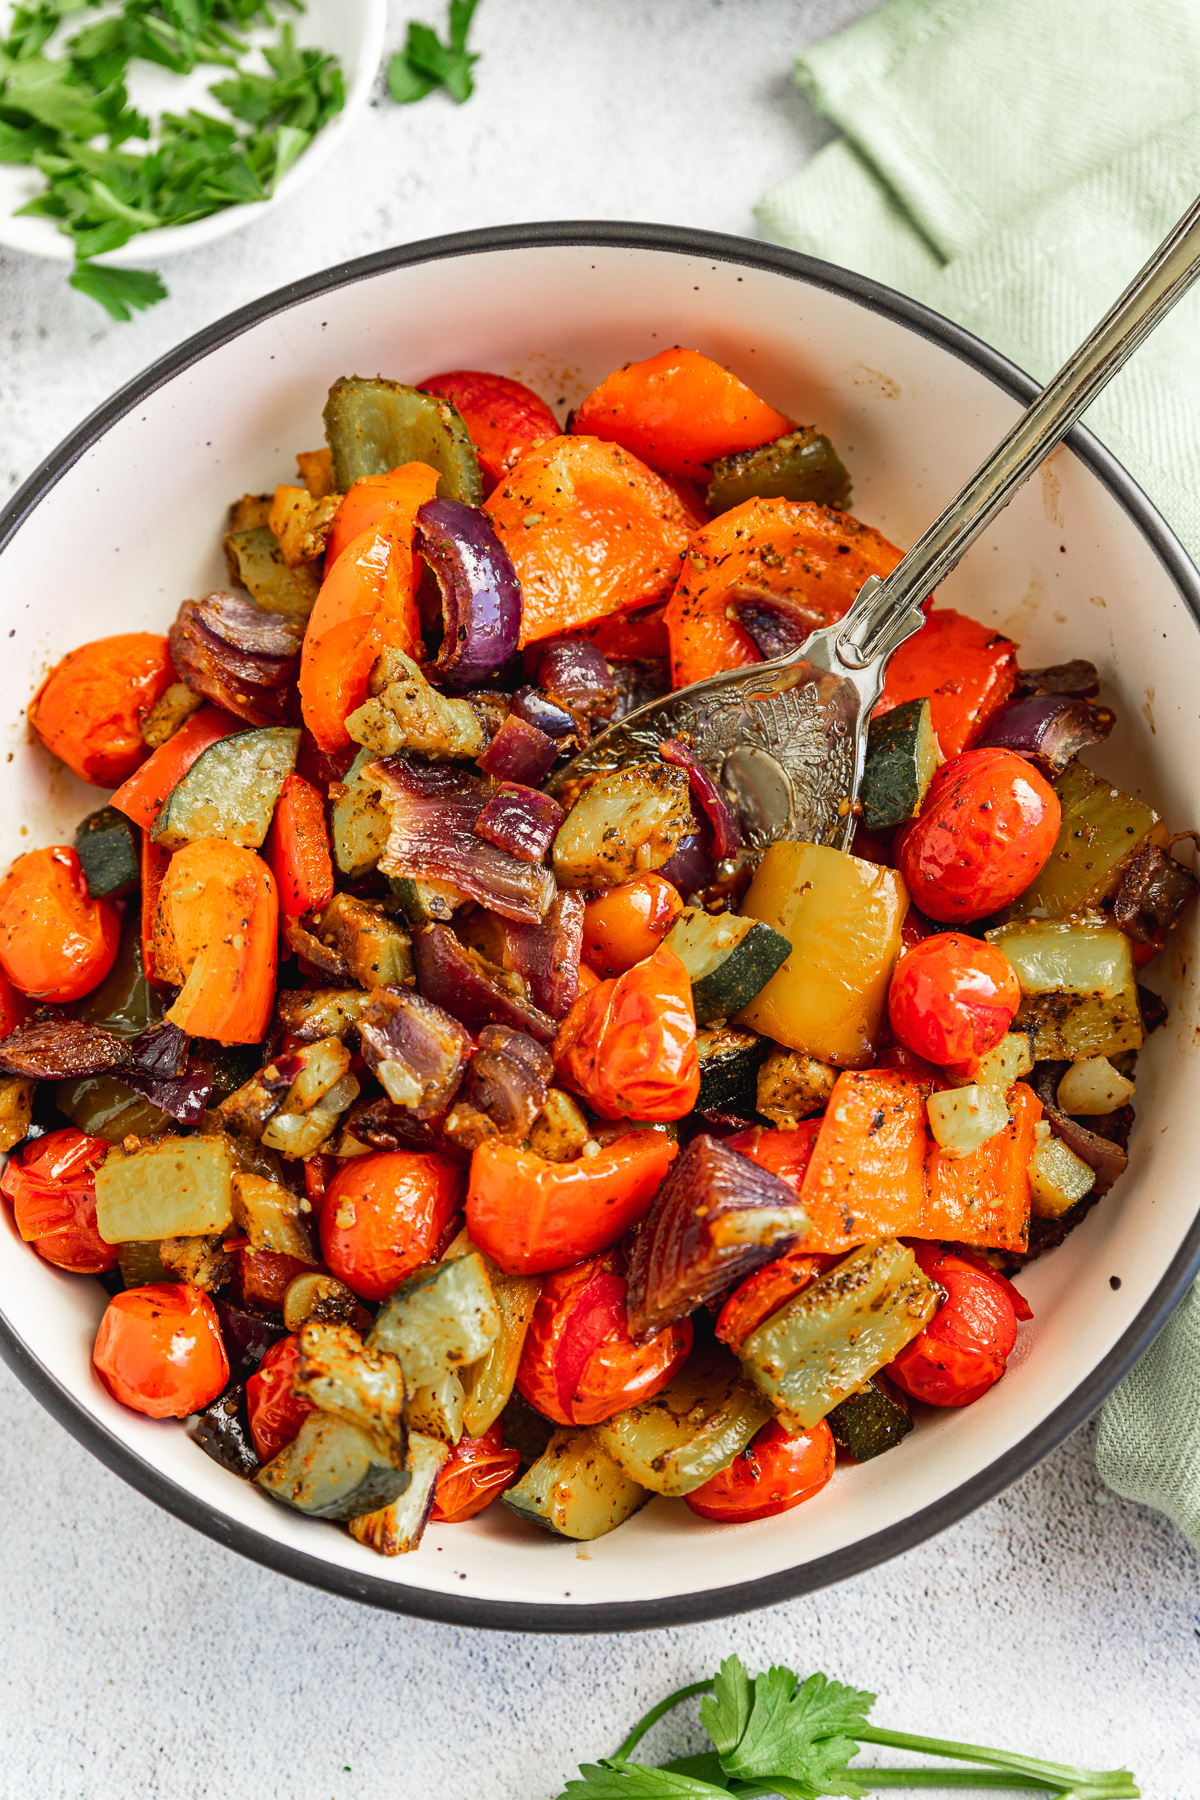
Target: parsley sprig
[
  {"x": 774, "y": 1734},
  {"x": 68, "y": 115},
  {"x": 426, "y": 63}
]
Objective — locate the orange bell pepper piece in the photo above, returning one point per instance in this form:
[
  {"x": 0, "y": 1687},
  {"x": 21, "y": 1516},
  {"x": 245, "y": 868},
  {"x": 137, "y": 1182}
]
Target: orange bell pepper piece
[
  {"x": 629, "y": 1045},
  {"x": 532, "y": 1216},
  {"x": 90, "y": 708},
  {"x": 377, "y": 500},
  {"x": 13, "y": 1006},
  {"x": 866, "y": 1176},
  {"x": 819, "y": 556},
  {"x": 590, "y": 531},
  {"x": 642, "y": 631},
  {"x": 679, "y": 411},
  {"x": 215, "y": 936},
  {"x": 297, "y": 848},
  {"x": 140, "y": 797},
  {"x": 154, "y": 861},
  {"x": 964, "y": 669},
  {"x": 984, "y": 1198}
]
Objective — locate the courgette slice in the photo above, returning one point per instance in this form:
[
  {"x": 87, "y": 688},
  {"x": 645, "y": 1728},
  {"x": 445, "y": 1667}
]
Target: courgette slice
[
  {"x": 575, "y": 1489},
  {"x": 826, "y": 1342},
  {"x": 1102, "y": 830},
  {"x": 692, "y": 1429},
  {"x": 627, "y": 822},
  {"x": 256, "y": 562},
  {"x": 801, "y": 465},
  {"x": 359, "y": 824},
  {"x": 331, "y": 1470},
  {"x": 902, "y": 759},
  {"x": 109, "y": 853},
  {"x": 870, "y": 1422},
  {"x": 396, "y": 1529},
  {"x": 374, "y": 425},
  {"x": 425, "y": 902},
  {"x": 729, "y": 1062},
  {"x": 728, "y": 959},
  {"x": 443, "y": 1317},
  {"x": 488, "y": 1383},
  {"x": 357, "y": 1382},
  {"x": 230, "y": 790}
]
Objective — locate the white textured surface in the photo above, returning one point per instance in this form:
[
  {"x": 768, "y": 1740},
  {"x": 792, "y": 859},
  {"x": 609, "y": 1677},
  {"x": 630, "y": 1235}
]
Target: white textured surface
[{"x": 135, "y": 1656}]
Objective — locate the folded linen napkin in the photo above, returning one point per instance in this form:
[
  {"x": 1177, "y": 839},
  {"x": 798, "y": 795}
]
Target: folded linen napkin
[{"x": 1012, "y": 164}]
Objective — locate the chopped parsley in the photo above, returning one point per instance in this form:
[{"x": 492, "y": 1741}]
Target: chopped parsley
[{"x": 426, "y": 63}]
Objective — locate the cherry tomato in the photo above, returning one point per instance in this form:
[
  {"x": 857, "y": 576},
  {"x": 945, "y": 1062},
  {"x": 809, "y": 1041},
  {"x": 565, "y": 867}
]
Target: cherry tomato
[
  {"x": 765, "y": 1292},
  {"x": 629, "y": 1046},
  {"x": 952, "y": 998},
  {"x": 275, "y": 1413},
  {"x": 14, "y": 1008},
  {"x": 477, "y": 1472},
  {"x": 503, "y": 417},
  {"x": 915, "y": 929},
  {"x": 578, "y": 1365},
  {"x": 986, "y": 830},
  {"x": 52, "y": 1186},
  {"x": 771, "y": 1475},
  {"x": 628, "y": 923},
  {"x": 383, "y": 1216},
  {"x": 964, "y": 1348},
  {"x": 263, "y": 1276},
  {"x": 89, "y": 709},
  {"x": 159, "y": 1350},
  {"x": 55, "y": 942}
]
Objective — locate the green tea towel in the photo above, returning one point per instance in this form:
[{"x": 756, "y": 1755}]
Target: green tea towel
[{"x": 1012, "y": 163}]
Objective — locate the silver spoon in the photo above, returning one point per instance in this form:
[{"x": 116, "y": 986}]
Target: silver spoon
[{"x": 787, "y": 739}]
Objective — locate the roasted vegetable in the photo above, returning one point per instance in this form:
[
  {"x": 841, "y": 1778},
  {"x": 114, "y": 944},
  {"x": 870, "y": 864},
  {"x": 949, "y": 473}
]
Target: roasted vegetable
[
  {"x": 902, "y": 758},
  {"x": 272, "y": 1217},
  {"x": 442, "y": 1318},
  {"x": 331, "y": 1470},
  {"x": 869, "y": 1422},
  {"x": 438, "y": 1408},
  {"x": 729, "y": 959},
  {"x": 1011, "y": 1058},
  {"x": 505, "y": 1089},
  {"x": 982, "y": 1197},
  {"x": 199, "y": 1262},
  {"x": 1102, "y": 831},
  {"x": 865, "y": 1177},
  {"x": 822, "y": 1346},
  {"x": 324, "y": 1298},
  {"x": 1050, "y": 729},
  {"x": 405, "y": 713},
  {"x": 374, "y": 949},
  {"x": 473, "y": 989},
  {"x": 963, "y": 1119},
  {"x": 362, "y": 1384},
  {"x": 307, "y": 1014},
  {"x": 301, "y": 523},
  {"x": 520, "y": 820},
  {"x": 221, "y": 1432},
  {"x": 169, "y": 714},
  {"x": 1058, "y": 1178},
  {"x": 53, "y": 1048},
  {"x": 1094, "y": 1087},
  {"x": 181, "y": 1187},
  {"x": 416, "y": 1051},
  {"x": 257, "y": 562},
  {"x": 730, "y": 1058},
  {"x": 1079, "y": 987},
  {"x": 396, "y": 1529},
  {"x": 376, "y": 425},
  {"x": 481, "y": 596},
  {"x": 359, "y": 821},
  {"x": 215, "y": 933},
  {"x": 230, "y": 790},
  {"x": 109, "y": 854},
  {"x": 842, "y": 917},
  {"x": 716, "y": 1218},
  {"x": 560, "y": 1130},
  {"x": 673, "y": 1443},
  {"x": 792, "y": 1086},
  {"x": 238, "y": 656},
  {"x": 574, "y": 675},
  {"x": 16, "y": 1109},
  {"x": 1153, "y": 892},
  {"x": 488, "y": 1382},
  {"x": 624, "y": 824},
  {"x": 575, "y": 1489},
  {"x": 801, "y": 465}
]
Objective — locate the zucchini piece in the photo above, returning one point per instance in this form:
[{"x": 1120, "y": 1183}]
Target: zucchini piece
[
  {"x": 526, "y": 1430},
  {"x": 325, "y": 1298},
  {"x": 16, "y": 1109},
  {"x": 425, "y": 902},
  {"x": 801, "y": 465},
  {"x": 728, "y": 959},
  {"x": 376, "y": 950},
  {"x": 170, "y": 712},
  {"x": 404, "y": 712},
  {"x": 363, "y": 1385},
  {"x": 822, "y": 1345},
  {"x": 359, "y": 824},
  {"x": 575, "y": 1489},
  {"x": 1058, "y": 1179},
  {"x": 140, "y": 1264},
  {"x": 870, "y": 1422},
  {"x": 560, "y": 1130},
  {"x": 332, "y": 1470},
  {"x": 256, "y": 562},
  {"x": 729, "y": 1062},
  {"x": 396, "y": 1529},
  {"x": 443, "y": 1317},
  {"x": 199, "y": 1262},
  {"x": 271, "y": 1217},
  {"x": 308, "y": 1014},
  {"x": 110, "y": 854},
  {"x": 488, "y": 1383},
  {"x": 230, "y": 790},
  {"x": 692, "y": 1429},
  {"x": 1102, "y": 831},
  {"x": 1078, "y": 987},
  {"x": 223, "y": 1432},
  {"x": 792, "y": 1085},
  {"x": 373, "y": 425},
  {"x": 624, "y": 824},
  {"x": 179, "y": 1187},
  {"x": 902, "y": 758},
  {"x": 439, "y": 1408}
]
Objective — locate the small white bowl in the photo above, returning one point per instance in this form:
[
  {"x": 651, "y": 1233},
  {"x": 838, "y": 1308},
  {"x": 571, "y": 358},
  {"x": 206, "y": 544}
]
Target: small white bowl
[
  {"x": 124, "y": 520},
  {"x": 352, "y": 29}
]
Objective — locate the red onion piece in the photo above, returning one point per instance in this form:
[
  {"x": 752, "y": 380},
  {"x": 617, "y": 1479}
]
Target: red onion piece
[
  {"x": 247, "y": 1336},
  {"x": 481, "y": 596},
  {"x": 433, "y": 809},
  {"x": 692, "y": 867},
  {"x": 185, "y": 1096},
  {"x": 639, "y": 679},
  {"x": 472, "y": 989},
  {"x": 236, "y": 621},
  {"x": 508, "y": 1080},
  {"x": 777, "y": 623},
  {"x": 412, "y": 1045},
  {"x": 1049, "y": 729},
  {"x": 1105, "y": 1158},
  {"x": 708, "y": 796},
  {"x": 519, "y": 752},
  {"x": 52, "y": 1048},
  {"x": 1078, "y": 678},
  {"x": 221, "y": 648},
  {"x": 520, "y": 820},
  {"x": 547, "y": 955},
  {"x": 385, "y": 1126},
  {"x": 574, "y": 675},
  {"x": 161, "y": 1051},
  {"x": 532, "y": 706}
]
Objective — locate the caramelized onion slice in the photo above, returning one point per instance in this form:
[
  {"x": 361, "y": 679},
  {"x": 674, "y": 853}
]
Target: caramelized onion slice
[
  {"x": 481, "y": 596},
  {"x": 474, "y": 990},
  {"x": 52, "y": 1048},
  {"x": 520, "y": 820},
  {"x": 708, "y": 797},
  {"x": 519, "y": 752},
  {"x": 575, "y": 676},
  {"x": 416, "y": 1050},
  {"x": 506, "y": 1084},
  {"x": 1050, "y": 729}
]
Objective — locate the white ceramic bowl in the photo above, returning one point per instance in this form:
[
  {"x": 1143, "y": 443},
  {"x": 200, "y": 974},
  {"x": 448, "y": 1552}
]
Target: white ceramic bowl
[
  {"x": 124, "y": 521},
  {"x": 352, "y": 29}
]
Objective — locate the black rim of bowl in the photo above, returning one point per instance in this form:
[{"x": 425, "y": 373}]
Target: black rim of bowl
[{"x": 708, "y": 1603}]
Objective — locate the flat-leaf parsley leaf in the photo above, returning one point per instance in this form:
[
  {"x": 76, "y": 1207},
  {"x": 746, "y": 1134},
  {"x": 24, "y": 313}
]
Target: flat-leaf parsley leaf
[{"x": 426, "y": 63}]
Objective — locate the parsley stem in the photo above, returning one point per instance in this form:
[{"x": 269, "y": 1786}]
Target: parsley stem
[
  {"x": 655, "y": 1714},
  {"x": 992, "y": 1779},
  {"x": 1116, "y": 1783}
]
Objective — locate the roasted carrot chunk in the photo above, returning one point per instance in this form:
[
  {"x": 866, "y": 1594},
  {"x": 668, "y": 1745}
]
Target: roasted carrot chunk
[
  {"x": 215, "y": 937},
  {"x": 679, "y": 411},
  {"x": 866, "y": 1176},
  {"x": 812, "y": 553},
  {"x": 965, "y": 670},
  {"x": 590, "y": 530},
  {"x": 983, "y": 1199}
]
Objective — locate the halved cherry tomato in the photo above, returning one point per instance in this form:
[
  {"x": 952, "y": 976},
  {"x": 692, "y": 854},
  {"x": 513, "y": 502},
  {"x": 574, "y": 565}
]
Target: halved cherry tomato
[
  {"x": 159, "y": 1350},
  {"x": 952, "y": 998},
  {"x": 476, "y": 1472},
  {"x": 297, "y": 850},
  {"x": 531, "y": 1216},
  {"x": 140, "y": 797},
  {"x": 771, "y": 1475},
  {"x": 986, "y": 830},
  {"x": 89, "y": 709},
  {"x": 383, "y": 1216},
  {"x": 14, "y": 1007},
  {"x": 629, "y": 1046},
  {"x": 765, "y": 1292},
  {"x": 52, "y": 1185},
  {"x": 274, "y": 1412},
  {"x": 628, "y": 923},
  {"x": 503, "y": 417},
  {"x": 56, "y": 942},
  {"x": 965, "y": 1347},
  {"x": 679, "y": 411},
  {"x": 578, "y": 1364}
]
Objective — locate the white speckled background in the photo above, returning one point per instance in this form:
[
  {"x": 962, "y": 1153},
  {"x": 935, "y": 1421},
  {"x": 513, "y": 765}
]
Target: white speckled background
[{"x": 136, "y": 1657}]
